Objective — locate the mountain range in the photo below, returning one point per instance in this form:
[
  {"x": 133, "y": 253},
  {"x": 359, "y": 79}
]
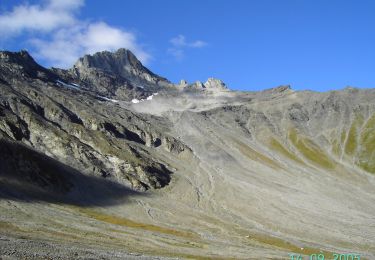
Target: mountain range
[{"x": 109, "y": 160}]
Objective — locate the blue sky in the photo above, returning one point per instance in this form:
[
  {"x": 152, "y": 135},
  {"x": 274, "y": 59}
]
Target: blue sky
[{"x": 250, "y": 45}]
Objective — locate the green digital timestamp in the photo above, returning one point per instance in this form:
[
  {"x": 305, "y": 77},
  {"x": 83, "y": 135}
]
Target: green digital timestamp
[{"x": 323, "y": 257}]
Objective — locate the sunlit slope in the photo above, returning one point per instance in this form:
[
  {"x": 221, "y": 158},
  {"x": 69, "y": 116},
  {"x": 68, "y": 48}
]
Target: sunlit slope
[
  {"x": 281, "y": 164},
  {"x": 269, "y": 173}
]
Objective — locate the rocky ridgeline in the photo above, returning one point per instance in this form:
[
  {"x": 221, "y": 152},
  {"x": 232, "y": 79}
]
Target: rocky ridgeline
[
  {"x": 56, "y": 113},
  {"x": 68, "y": 115},
  {"x": 121, "y": 63},
  {"x": 20, "y": 65},
  {"x": 117, "y": 75},
  {"x": 211, "y": 84}
]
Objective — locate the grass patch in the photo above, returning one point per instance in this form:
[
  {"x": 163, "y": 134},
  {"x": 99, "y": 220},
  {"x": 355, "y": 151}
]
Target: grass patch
[
  {"x": 366, "y": 154},
  {"x": 278, "y": 147},
  {"x": 343, "y": 136},
  {"x": 288, "y": 246},
  {"x": 282, "y": 244},
  {"x": 310, "y": 150},
  {"x": 351, "y": 141},
  {"x": 107, "y": 146},
  {"x": 336, "y": 148},
  {"x": 133, "y": 224},
  {"x": 7, "y": 226},
  {"x": 256, "y": 156},
  {"x": 191, "y": 256}
]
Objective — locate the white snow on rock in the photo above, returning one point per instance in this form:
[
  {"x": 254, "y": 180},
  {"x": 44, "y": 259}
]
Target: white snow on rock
[
  {"x": 112, "y": 100},
  {"x": 108, "y": 99},
  {"x": 150, "y": 97},
  {"x": 72, "y": 85},
  {"x": 136, "y": 101}
]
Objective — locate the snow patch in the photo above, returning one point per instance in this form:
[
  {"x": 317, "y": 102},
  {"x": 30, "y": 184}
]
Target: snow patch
[
  {"x": 108, "y": 99},
  {"x": 71, "y": 85},
  {"x": 150, "y": 97},
  {"x": 136, "y": 101}
]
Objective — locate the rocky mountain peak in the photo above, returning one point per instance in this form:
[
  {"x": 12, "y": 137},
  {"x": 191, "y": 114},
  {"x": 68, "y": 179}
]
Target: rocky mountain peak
[
  {"x": 21, "y": 63},
  {"x": 16, "y": 57},
  {"x": 183, "y": 83},
  {"x": 121, "y": 63},
  {"x": 279, "y": 89},
  {"x": 213, "y": 83},
  {"x": 116, "y": 74},
  {"x": 210, "y": 84}
]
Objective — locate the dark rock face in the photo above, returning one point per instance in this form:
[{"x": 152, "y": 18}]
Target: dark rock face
[
  {"x": 21, "y": 64},
  {"x": 22, "y": 165},
  {"x": 70, "y": 125}
]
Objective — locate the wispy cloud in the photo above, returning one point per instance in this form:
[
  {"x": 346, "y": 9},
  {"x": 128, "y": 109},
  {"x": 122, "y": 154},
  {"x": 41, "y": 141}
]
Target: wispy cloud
[
  {"x": 179, "y": 44},
  {"x": 180, "y": 41},
  {"x": 178, "y": 54},
  {"x": 40, "y": 18},
  {"x": 59, "y": 37},
  {"x": 67, "y": 44}
]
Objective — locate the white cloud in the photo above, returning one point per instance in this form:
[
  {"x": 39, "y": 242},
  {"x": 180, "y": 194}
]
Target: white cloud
[
  {"x": 67, "y": 44},
  {"x": 198, "y": 44},
  {"x": 61, "y": 37},
  {"x": 177, "y": 53},
  {"x": 179, "y": 44},
  {"x": 100, "y": 36},
  {"x": 180, "y": 41},
  {"x": 53, "y": 14},
  {"x": 66, "y": 4}
]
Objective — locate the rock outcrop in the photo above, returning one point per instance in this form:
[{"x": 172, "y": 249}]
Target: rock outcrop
[
  {"x": 118, "y": 75},
  {"x": 20, "y": 65},
  {"x": 72, "y": 126},
  {"x": 120, "y": 63},
  {"x": 211, "y": 84}
]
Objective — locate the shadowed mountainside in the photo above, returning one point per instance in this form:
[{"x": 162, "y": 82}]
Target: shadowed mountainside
[{"x": 27, "y": 175}]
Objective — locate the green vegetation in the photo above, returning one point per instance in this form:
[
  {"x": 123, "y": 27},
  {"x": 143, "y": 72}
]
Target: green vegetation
[
  {"x": 253, "y": 238},
  {"x": 366, "y": 154},
  {"x": 343, "y": 136},
  {"x": 133, "y": 224},
  {"x": 310, "y": 150},
  {"x": 336, "y": 148},
  {"x": 351, "y": 142},
  {"x": 256, "y": 156},
  {"x": 287, "y": 246},
  {"x": 106, "y": 146},
  {"x": 7, "y": 226},
  {"x": 278, "y": 147},
  {"x": 338, "y": 143}
]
